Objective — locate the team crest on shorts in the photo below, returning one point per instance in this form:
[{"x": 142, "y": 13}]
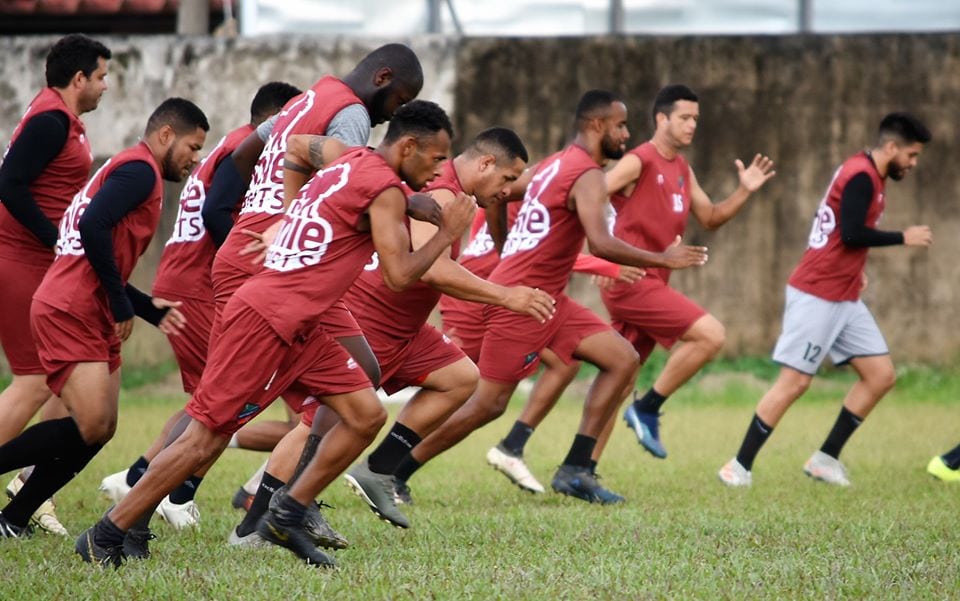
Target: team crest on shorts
[
  {"x": 530, "y": 358},
  {"x": 248, "y": 411}
]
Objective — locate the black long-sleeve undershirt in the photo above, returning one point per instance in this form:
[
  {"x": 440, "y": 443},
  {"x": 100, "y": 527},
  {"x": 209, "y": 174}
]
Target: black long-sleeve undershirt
[
  {"x": 854, "y": 205},
  {"x": 40, "y": 141},
  {"x": 221, "y": 200},
  {"x": 125, "y": 189}
]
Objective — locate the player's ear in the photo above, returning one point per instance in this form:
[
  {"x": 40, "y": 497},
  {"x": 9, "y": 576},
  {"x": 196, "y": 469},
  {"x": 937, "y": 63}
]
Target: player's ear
[
  {"x": 166, "y": 134},
  {"x": 487, "y": 161},
  {"x": 383, "y": 77},
  {"x": 409, "y": 146}
]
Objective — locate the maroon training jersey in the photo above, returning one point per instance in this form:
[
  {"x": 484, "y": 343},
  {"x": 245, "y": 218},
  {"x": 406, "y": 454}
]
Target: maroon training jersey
[
  {"x": 71, "y": 284},
  {"x": 829, "y": 268},
  {"x": 318, "y": 252},
  {"x": 187, "y": 257},
  {"x": 398, "y": 315},
  {"x": 655, "y": 213},
  {"x": 53, "y": 189},
  {"x": 547, "y": 236},
  {"x": 308, "y": 113}
]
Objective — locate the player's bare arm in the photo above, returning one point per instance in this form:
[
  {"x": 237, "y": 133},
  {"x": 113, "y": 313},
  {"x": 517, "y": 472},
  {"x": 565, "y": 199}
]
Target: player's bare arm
[
  {"x": 449, "y": 277},
  {"x": 752, "y": 178},
  {"x": 589, "y": 198},
  {"x": 245, "y": 155},
  {"x": 401, "y": 267},
  {"x": 306, "y": 154},
  {"x": 622, "y": 177}
]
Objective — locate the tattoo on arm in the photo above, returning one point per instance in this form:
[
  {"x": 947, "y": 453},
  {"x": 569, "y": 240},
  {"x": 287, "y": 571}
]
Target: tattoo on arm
[
  {"x": 288, "y": 164},
  {"x": 315, "y": 150}
]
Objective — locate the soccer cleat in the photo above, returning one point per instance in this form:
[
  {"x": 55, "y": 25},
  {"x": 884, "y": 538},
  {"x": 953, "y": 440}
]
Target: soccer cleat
[
  {"x": 319, "y": 530},
  {"x": 183, "y": 515},
  {"x": 252, "y": 540},
  {"x": 576, "y": 481},
  {"x": 513, "y": 467},
  {"x": 734, "y": 474},
  {"x": 8, "y": 530},
  {"x": 114, "y": 487},
  {"x": 647, "y": 428},
  {"x": 136, "y": 543},
  {"x": 827, "y": 469},
  {"x": 279, "y": 527},
  {"x": 242, "y": 499},
  {"x": 401, "y": 494},
  {"x": 45, "y": 517},
  {"x": 940, "y": 470},
  {"x": 90, "y": 552},
  {"x": 377, "y": 490},
  {"x": 607, "y": 497}
]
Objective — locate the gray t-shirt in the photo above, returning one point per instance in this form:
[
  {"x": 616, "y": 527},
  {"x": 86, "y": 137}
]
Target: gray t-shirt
[{"x": 351, "y": 126}]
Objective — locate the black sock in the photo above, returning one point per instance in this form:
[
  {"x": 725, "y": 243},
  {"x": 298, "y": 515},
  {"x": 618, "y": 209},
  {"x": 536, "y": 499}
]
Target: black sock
[
  {"x": 42, "y": 443},
  {"x": 517, "y": 438},
  {"x": 306, "y": 456},
  {"x": 398, "y": 443},
  {"x": 261, "y": 501},
  {"x": 650, "y": 402},
  {"x": 757, "y": 434},
  {"x": 106, "y": 534},
  {"x": 845, "y": 425},
  {"x": 186, "y": 491},
  {"x": 580, "y": 451},
  {"x": 952, "y": 458},
  {"x": 136, "y": 471},
  {"x": 593, "y": 466},
  {"x": 47, "y": 478},
  {"x": 408, "y": 465}
]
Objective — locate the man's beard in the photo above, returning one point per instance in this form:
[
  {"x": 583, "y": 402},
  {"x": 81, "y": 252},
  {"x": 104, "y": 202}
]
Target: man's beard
[
  {"x": 611, "y": 149},
  {"x": 171, "y": 172}
]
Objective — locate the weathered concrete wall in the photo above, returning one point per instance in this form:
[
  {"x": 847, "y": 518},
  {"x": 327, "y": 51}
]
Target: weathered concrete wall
[{"x": 807, "y": 102}]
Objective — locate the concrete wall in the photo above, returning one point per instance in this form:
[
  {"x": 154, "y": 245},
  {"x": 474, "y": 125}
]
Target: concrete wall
[{"x": 807, "y": 102}]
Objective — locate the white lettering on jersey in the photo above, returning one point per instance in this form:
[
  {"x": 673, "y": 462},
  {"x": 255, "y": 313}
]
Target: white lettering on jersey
[
  {"x": 374, "y": 262},
  {"x": 304, "y": 237},
  {"x": 68, "y": 241},
  {"x": 677, "y": 202},
  {"x": 189, "y": 224},
  {"x": 825, "y": 221},
  {"x": 480, "y": 244},
  {"x": 533, "y": 221},
  {"x": 265, "y": 194}
]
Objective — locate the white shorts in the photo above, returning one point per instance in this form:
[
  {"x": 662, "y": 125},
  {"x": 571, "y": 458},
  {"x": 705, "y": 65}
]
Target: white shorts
[{"x": 814, "y": 327}]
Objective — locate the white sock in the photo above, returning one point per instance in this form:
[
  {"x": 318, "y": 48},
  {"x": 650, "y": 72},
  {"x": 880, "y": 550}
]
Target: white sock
[{"x": 254, "y": 482}]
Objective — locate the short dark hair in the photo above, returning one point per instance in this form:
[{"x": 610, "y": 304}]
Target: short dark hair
[
  {"x": 906, "y": 127},
  {"x": 180, "y": 114},
  {"x": 270, "y": 98},
  {"x": 416, "y": 118},
  {"x": 401, "y": 59},
  {"x": 501, "y": 142},
  {"x": 593, "y": 104},
  {"x": 72, "y": 53},
  {"x": 668, "y": 96}
]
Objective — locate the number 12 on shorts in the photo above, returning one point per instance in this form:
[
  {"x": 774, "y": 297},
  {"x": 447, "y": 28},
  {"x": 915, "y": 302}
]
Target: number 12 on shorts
[{"x": 812, "y": 352}]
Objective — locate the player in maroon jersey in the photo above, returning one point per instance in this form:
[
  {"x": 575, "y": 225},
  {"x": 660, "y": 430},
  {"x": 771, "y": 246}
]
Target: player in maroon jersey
[
  {"x": 83, "y": 309},
  {"x": 653, "y": 191},
  {"x": 824, "y": 313},
  {"x": 47, "y": 161},
  {"x": 564, "y": 203},
  {"x": 183, "y": 275},
  {"x": 270, "y": 339}
]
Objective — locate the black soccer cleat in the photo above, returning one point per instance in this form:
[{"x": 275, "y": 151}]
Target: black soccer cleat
[
  {"x": 9, "y": 530},
  {"x": 136, "y": 543},
  {"x": 286, "y": 529},
  {"x": 90, "y": 552},
  {"x": 320, "y": 530},
  {"x": 579, "y": 482}
]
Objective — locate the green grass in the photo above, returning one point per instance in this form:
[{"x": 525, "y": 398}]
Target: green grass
[{"x": 681, "y": 535}]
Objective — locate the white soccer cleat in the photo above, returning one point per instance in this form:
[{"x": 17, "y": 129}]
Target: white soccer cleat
[
  {"x": 734, "y": 474},
  {"x": 114, "y": 487},
  {"x": 45, "y": 517},
  {"x": 186, "y": 515},
  {"x": 513, "y": 468},
  {"x": 823, "y": 467}
]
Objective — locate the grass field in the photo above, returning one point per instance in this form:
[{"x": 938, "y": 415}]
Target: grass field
[{"x": 681, "y": 535}]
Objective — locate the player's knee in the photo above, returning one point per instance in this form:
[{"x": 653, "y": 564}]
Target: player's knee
[
  {"x": 368, "y": 421},
  {"x": 710, "y": 334},
  {"x": 467, "y": 378},
  {"x": 883, "y": 380}
]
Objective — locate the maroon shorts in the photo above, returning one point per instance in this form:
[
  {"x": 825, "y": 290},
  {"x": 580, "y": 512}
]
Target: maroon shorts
[
  {"x": 463, "y": 323},
  {"x": 249, "y": 365},
  {"x": 64, "y": 339},
  {"x": 650, "y": 312},
  {"x": 20, "y": 281},
  {"x": 512, "y": 343},
  {"x": 190, "y": 345},
  {"x": 408, "y": 363}
]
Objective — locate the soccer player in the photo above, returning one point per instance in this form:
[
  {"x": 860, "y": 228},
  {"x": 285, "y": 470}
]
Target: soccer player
[
  {"x": 83, "y": 309},
  {"x": 183, "y": 275},
  {"x": 824, "y": 314},
  {"x": 653, "y": 190},
  {"x": 946, "y": 467},
  {"x": 46, "y": 163},
  {"x": 270, "y": 339},
  {"x": 565, "y": 202}
]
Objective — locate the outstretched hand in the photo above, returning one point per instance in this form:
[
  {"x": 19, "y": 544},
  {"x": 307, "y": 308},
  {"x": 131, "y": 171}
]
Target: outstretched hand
[
  {"x": 753, "y": 177},
  {"x": 174, "y": 321},
  {"x": 680, "y": 257},
  {"x": 260, "y": 242},
  {"x": 534, "y": 302},
  {"x": 457, "y": 216}
]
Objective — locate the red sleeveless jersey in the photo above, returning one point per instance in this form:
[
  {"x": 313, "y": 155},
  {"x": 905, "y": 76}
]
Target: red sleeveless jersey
[
  {"x": 547, "y": 236},
  {"x": 59, "y": 182},
  {"x": 318, "y": 252},
  {"x": 656, "y": 212},
  {"x": 308, "y": 113},
  {"x": 398, "y": 315},
  {"x": 71, "y": 284},
  {"x": 187, "y": 257},
  {"x": 829, "y": 269}
]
